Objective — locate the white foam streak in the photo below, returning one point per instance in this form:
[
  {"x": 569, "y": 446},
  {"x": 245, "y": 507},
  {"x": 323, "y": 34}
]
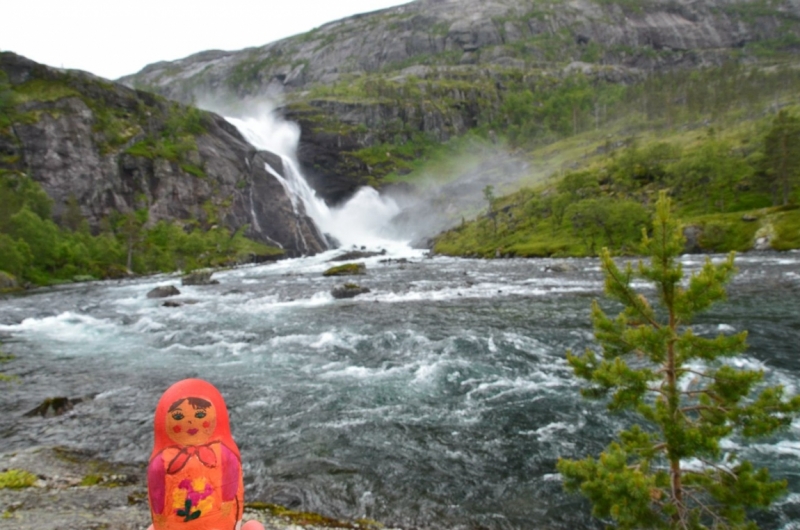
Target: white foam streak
[
  {"x": 555, "y": 431},
  {"x": 66, "y": 327},
  {"x": 485, "y": 291}
]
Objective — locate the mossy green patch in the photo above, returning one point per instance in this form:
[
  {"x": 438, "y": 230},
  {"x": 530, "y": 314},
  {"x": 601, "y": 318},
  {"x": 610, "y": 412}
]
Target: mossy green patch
[
  {"x": 192, "y": 169},
  {"x": 17, "y": 479},
  {"x": 98, "y": 472},
  {"x": 346, "y": 269},
  {"x": 44, "y": 90},
  {"x": 105, "y": 480},
  {"x": 169, "y": 149},
  {"x": 91, "y": 480},
  {"x": 308, "y": 518}
]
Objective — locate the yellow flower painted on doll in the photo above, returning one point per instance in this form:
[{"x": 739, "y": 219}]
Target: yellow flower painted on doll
[{"x": 192, "y": 498}]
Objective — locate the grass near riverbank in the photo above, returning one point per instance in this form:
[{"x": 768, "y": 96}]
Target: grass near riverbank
[
  {"x": 80, "y": 491},
  {"x": 724, "y": 181},
  {"x": 37, "y": 251}
]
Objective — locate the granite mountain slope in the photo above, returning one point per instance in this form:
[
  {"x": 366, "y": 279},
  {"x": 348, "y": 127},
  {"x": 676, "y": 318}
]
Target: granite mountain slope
[
  {"x": 521, "y": 34},
  {"x": 115, "y": 150},
  {"x": 434, "y": 69}
]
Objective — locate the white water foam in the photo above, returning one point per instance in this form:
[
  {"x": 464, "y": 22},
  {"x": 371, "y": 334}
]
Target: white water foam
[
  {"x": 364, "y": 221},
  {"x": 555, "y": 431},
  {"x": 66, "y": 327}
]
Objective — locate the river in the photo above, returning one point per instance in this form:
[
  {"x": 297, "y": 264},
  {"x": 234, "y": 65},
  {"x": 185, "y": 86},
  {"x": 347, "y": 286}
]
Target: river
[{"x": 441, "y": 399}]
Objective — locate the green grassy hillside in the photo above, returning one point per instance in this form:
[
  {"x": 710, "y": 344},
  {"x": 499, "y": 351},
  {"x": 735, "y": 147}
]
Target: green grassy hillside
[
  {"x": 600, "y": 148},
  {"x": 734, "y": 174}
]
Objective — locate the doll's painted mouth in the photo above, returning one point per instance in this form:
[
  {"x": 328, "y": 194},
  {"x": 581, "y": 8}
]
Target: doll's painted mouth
[{"x": 192, "y": 432}]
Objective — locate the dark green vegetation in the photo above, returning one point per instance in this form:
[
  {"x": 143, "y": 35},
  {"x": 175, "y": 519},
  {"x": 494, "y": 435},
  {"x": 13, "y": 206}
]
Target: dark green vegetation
[
  {"x": 39, "y": 248},
  {"x": 162, "y": 129},
  {"x": 712, "y": 138},
  {"x": 684, "y": 393},
  {"x": 36, "y": 250}
]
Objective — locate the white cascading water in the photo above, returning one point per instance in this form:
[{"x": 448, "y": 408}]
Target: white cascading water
[{"x": 362, "y": 222}]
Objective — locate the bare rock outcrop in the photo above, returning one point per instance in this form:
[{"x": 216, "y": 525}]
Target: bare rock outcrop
[
  {"x": 449, "y": 33},
  {"x": 163, "y": 291},
  {"x": 116, "y": 150},
  {"x": 441, "y": 66}
]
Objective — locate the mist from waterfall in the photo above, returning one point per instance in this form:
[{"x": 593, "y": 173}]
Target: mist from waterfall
[{"x": 364, "y": 221}]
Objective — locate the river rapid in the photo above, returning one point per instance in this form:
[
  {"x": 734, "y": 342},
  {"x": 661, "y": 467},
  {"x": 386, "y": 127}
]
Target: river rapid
[{"x": 441, "y": 399}]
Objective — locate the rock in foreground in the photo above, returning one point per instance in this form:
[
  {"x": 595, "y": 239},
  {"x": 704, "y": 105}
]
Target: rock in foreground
[
  {"x": 76, "y": 490},
  {"x": 199, "y": 277},
  {"x": 348, "y": 290},
  {"x": 163, "y": 291},
  {"x": 348, "y": 269}
]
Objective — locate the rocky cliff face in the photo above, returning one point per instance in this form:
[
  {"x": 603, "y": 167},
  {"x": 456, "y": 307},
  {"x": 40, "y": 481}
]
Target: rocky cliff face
[
  {"x": 437, "y": 68},
  {"x": 495, "y": 33},
  {"x": 114, "y": 149}
]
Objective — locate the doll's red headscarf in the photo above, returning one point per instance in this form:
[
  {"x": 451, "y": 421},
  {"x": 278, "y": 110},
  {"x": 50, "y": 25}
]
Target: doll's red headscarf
[{"x": 192, "y": 388}]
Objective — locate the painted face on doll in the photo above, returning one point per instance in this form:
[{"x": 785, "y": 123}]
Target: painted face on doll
[{"x": 191, "y": 421}]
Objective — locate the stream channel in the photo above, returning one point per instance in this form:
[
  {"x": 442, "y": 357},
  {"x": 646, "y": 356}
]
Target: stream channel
[{"x": 441, "y": 399}]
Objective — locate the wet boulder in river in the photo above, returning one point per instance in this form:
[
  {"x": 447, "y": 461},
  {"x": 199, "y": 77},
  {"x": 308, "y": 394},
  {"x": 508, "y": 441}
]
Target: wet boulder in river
[
  {"x": 348, "y": 290},
  {"x": 199, "y": 277},
  {"x": 163, "y": 291},
  {"x": 56, "y": 406},
  {"x": 346, "y": 270}
]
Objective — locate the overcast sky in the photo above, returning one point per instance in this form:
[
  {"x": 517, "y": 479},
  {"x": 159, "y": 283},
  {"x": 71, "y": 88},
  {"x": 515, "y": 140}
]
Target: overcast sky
[{"x": 112, "y": 38}]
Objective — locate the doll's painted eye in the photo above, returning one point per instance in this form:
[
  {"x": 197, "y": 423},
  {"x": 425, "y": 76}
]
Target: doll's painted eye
[
  {"x": 200, "y": 414},
  {"x": 177, "y": 416}
]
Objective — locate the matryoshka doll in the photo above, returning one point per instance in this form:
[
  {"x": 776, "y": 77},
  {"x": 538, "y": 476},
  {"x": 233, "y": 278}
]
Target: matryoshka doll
[{"x": 194, "y": 479}]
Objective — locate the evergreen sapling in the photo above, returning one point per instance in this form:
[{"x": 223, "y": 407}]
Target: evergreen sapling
[{"x": 668, "y": 470}]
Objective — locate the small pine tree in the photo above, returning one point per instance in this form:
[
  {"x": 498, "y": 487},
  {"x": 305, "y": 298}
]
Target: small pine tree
[{"x": 667, "y": 470}]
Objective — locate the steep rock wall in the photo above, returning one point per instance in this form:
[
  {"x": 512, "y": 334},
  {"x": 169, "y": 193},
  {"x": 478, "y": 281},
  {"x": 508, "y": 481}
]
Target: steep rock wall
[{"x": 114, "y": 149}]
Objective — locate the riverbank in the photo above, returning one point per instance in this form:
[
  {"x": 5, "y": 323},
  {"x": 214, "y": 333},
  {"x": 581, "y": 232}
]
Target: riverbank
[{"x": 77, "y": 491}]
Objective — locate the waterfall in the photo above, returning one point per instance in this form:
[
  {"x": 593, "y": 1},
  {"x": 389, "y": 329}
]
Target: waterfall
[
  {"x": 293, "y": 197},
  {"x": 364, "y": 221}
]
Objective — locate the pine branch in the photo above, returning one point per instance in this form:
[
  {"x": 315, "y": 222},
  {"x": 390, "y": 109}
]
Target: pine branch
[
  {"x": 705, "y": 508},
  {"x": 658, "y": 447},
  {"x": 704, "y": 407},
  {"x": 694, "y": 372},
  {"x": 719, "y": 468},
  {"x": 630, "y": 295},
  {"x": 688, "y": 416},
  {"x": 658, "y": 390}
]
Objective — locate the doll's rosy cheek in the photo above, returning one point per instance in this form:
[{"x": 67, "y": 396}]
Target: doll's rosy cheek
[
  {"x": 176, "y": 429},
  {"x": 206, "y": 424}
]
